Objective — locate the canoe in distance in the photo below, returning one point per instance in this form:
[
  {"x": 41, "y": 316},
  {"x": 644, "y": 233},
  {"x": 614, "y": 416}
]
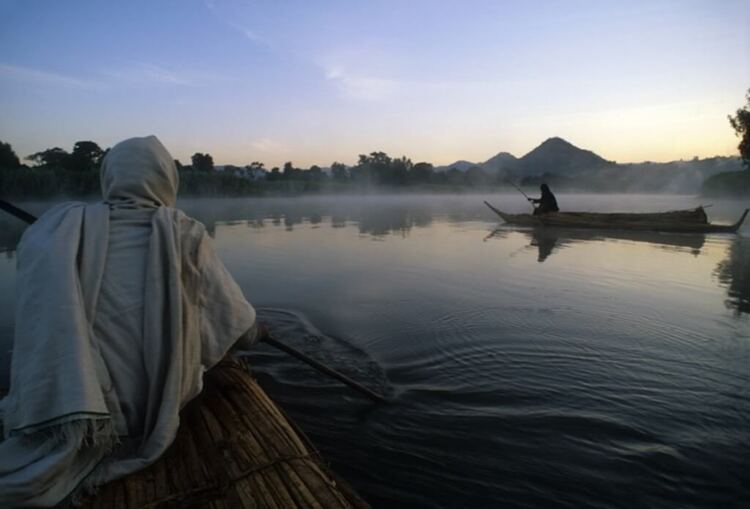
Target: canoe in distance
[{"x": 677, "y": 221}]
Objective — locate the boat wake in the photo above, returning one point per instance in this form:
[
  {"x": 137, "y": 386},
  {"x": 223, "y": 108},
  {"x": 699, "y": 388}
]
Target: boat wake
[{"x": 296, "y": 330}]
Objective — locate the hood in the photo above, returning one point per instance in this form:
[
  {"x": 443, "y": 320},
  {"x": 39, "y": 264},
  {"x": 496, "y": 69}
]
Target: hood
[{"x": 139, "y": 172}]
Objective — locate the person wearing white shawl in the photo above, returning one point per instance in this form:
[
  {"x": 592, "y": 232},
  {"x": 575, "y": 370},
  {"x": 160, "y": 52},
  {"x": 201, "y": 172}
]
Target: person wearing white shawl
[{"x": 122, "y": 305}]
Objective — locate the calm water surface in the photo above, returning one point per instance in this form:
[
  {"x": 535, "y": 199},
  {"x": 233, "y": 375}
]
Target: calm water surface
[{"x": 524, "y": 368}]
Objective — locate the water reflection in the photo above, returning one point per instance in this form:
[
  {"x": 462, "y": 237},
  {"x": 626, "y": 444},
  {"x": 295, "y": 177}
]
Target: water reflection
[
  {"x": 399, "y": 215},
  {"x": 734, "y": 274},
  {"x": 380, "y": 222},
  {"x": 372, "y": 217},
  {"x": 550, "y": 240}
]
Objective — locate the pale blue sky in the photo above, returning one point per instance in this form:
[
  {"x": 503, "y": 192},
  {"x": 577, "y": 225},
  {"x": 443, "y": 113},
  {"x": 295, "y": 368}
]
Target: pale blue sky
[{"x": 319, "y": 81}]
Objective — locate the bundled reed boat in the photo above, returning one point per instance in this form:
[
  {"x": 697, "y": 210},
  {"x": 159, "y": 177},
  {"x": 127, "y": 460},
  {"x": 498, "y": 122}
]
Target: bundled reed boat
[
  {"x": 235, "y": 449},
  {"x": 676, "y": 221}
]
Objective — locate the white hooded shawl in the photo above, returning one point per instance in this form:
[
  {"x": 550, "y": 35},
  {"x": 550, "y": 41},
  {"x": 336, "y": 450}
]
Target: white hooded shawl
[{"x": 72, "y": 376}]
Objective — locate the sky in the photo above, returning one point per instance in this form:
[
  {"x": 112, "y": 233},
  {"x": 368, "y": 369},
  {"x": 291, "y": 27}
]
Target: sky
[{"x": 314, "y": 82}]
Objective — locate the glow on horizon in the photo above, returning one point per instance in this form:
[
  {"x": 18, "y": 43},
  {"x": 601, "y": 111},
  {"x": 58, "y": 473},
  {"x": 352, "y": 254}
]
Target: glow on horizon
[{"x": 323, "y": 82}]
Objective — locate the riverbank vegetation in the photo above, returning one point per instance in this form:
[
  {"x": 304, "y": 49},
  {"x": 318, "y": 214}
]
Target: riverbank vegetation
[
  {"x": 76, "y": 173},
  {"x": 735, "y": 183}
]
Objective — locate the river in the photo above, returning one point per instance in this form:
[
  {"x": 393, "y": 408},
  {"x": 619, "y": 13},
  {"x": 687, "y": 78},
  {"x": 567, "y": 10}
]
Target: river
[{"x": 556, "y": 368}]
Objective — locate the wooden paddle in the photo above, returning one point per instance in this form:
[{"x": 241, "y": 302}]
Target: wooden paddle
[{"x": 25, "y": 216}]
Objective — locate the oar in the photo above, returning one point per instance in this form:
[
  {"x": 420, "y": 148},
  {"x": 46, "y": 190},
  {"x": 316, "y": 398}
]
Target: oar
[
  {"x": 524, "y": 194},
  {"x": 324, "y": 369},
  {"x": 25, "y": 216},
  {"x": 519, "y": 189},
  {"x": 15, "y": 211}
]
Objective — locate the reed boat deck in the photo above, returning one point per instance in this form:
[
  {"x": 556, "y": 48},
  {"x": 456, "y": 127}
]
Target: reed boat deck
[{"x": 235, "y": 449}]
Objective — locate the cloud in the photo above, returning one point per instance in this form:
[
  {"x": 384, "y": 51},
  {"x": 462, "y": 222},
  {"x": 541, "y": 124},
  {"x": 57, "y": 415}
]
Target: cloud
[
  {"x": 249, "y": 33},
  {"x": 371, "y": 75},
  {"x": 269, "y": 145},
  {"x": 372, "y": 88},
  {"x": 142, "y": 73},
  {"x": 29, "y": 75},
  {"x": 361, "y": 86},
  {"x": 373, "y": 78},
  {"x": 137, "y": 74}
]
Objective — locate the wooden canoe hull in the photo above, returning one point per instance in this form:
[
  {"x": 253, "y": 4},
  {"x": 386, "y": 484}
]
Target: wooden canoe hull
[
  {"x": 681, "y": 221},
  {"x": 235, "y": 449}
]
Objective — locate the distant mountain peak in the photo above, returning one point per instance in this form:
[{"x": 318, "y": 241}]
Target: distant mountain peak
[
  {"x": 556, "y": 155},
  {"x": 556, "y": 140},
  {"x": 557, "y": 143},
  {"x": 503, "y": 155},
  {"x": 461, "y": 165}
]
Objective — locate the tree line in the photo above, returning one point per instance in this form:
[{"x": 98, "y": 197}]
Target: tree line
[{"x": 76, "y": 173}]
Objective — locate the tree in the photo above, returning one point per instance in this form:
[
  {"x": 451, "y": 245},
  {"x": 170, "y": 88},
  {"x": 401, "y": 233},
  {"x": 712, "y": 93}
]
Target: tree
[
  {"x": 379, "y": 168},
  {"x": 274, "y": 175},
  {"x": 315, "y": 173},
  {"x": 398, "y": 172},
  {"x": 52, "y": 157},
  {"x": 202, "y": 162},
  {"x": 289, "y": 171},
  {"x": 361, "y": 173},
  {"x": 740, "y": 122},
  {"x": 8, "y": 158},
  {"x": 86, "y": 156},
  {"x": 379, "y": 164},
  {"x": 340, "y": 172},
  {"x": 255, "y": 171},
  {"x": 422, "y": 172}
]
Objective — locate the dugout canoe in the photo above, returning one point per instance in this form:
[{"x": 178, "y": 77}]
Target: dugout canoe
[
  {"x": 234, "y": 449},
  {"x": 676, "y": 221}
]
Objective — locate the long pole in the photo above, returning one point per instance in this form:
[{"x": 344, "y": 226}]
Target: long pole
[
  {"x": 25, "y": 216},
  {"x": 519, "y": 189},
  {"x": 15, "y": 211},
  {"x": 324, "y": 369}
]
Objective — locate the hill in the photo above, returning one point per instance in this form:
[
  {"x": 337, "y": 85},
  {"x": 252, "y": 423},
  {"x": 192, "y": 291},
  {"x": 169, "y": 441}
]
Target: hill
[
  {"x": 460, "y": 165},
  {"x": 553, "y": 156},
  {"x": 565, "y": 166},
  {"x": 558, "y": 157},
  {"x": 500, "y": 164}
]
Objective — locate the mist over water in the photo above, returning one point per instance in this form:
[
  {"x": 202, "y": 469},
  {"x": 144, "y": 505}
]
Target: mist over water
[{"x": 548, "y": 368}]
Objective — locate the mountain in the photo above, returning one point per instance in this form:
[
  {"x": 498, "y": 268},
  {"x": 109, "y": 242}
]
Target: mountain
[
  {"x": 565, "y": 166},
  {"x": 558, "y": 157},
  {"x": 553, "y": 157},
  {"x": 503, "y": 162},
  {"x": 460, "y": 165}
]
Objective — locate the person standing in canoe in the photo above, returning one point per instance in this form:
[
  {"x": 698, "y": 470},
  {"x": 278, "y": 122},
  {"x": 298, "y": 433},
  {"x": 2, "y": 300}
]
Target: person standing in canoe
[
  {"x": 122, "y": 306},
  {"x": 547, "y": 202}
]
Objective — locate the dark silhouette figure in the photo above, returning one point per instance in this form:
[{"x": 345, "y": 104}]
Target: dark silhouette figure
[{"x": 547, "y": 202}]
